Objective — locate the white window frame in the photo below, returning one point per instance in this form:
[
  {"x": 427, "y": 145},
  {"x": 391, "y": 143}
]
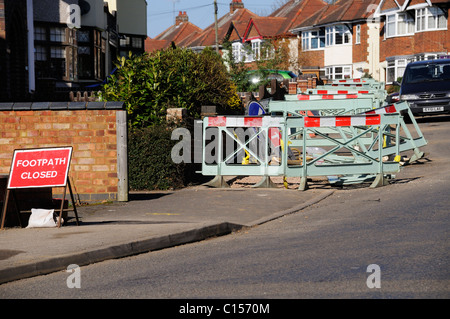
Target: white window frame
[
  {"x": 237, "y": 49},
  {"x": 332, "y": 33},
  {"x": 398, "y": 65},
  {"x": 425, "y": 16},
  {"x": 393, "y": 22},
  {"x": 256, "y": 49},
  {"x": 336, "y": 72},
  {"x": 308, "y": 38},
  {"x": 358, "y": 34}
]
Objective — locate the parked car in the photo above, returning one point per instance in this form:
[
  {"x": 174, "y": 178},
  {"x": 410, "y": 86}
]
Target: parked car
[
  {"x": 426, "y": 87},
  {"x": 256, "y": 76},
  {"x": 393, "y": 97}
]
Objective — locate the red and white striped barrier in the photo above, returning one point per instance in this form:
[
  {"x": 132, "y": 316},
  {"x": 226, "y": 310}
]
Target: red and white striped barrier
[
  {"x": 341, "y": 91},
  {"x": 345, "y": 84},
  {"x": 247, "y": 121},
  {"x": 336, "y": 121},
  {"x": 382, "y": 110},
  {"x": 307, "y": 97},
  {"x": 349, "y": 80}
]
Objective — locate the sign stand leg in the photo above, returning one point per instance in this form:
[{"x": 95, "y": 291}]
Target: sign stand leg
[
  {"x": 17, "y": 207},
  {"x": 5, "y": 207},
  {"x": 73, "y": 202},
  {"x": 62, "y": 206}
]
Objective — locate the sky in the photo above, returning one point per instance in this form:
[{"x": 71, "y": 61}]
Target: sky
[{"x": 161, "y": 13}]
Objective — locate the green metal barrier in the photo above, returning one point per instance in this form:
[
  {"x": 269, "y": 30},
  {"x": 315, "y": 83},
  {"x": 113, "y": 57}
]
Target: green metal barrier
[
  {"x": 339, "y": 105},
  {"x": 332, "y": 161},
  {"x": 227, "y": 141},
  {"x": 343, "y": 130},
  {"x": 379, "y": 93},
  {"x": 273, "y": 157}
]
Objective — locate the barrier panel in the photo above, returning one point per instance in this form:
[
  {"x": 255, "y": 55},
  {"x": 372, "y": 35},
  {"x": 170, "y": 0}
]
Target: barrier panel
[
  {"x": 342, "y": 157},
  {"x": 404, "y": 139},
  {"x": 338, "y": 105},
  {"x": 274, "y": 152},
  {"x": 347, "y": 133},
  {"x": 366, "y": 82},
  {"x": 379, "y": 93},
  {"x": 234, "y": 146}
]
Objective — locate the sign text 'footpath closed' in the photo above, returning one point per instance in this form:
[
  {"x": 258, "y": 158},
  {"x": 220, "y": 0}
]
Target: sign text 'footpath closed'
[{"x": 40, "y": 167}]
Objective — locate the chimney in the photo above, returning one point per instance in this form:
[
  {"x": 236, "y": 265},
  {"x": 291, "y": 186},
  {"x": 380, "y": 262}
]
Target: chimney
[
  {"x": 182, "y": 17},
  {"x": 236, "y": 4}
]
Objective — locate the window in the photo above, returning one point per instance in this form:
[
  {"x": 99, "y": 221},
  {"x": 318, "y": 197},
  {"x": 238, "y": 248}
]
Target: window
[
  {"x": 399, "y": 24},
  {"x": 256, "y": 49},
  {"x": 405, "y": 24},
  {"x": 390, "y": 26},
  {"x": 313, "y": 40},
  {"x": 125, "y": 41},
  {"x": 40, "y": 34},
  {"x": 237, "y": 51},
  {"x": 358, "y": 34},
  {"x": 83, "y": 36},
  {"x": 136, "y": 42},
  {"x": 431, "y": 18},
  {"x": 338, "y": 72},
  {"x": 57, "y": 53},
  {"x": 40, "y": 53},
  {"x": 57, "y": 35},
  {"x": 337, "y": 35},
  {"x": 395, "y": 69}
]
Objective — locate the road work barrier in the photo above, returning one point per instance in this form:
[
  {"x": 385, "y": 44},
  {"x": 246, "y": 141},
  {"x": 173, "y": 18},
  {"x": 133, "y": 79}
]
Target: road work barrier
[
  {"x": 278, "y": 153},
  {"x": 235, "y": 146},
  {"x": 337, "y": 104},
  {"x": 359, "y": 83},
  {"x": 349, "y": 135},
  {"x": 379, "y": 94},
  {"x": 344, "y": 155}
]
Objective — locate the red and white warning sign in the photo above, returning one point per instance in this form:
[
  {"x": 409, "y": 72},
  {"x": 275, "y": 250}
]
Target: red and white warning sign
[{"x": 41, "y": 167}]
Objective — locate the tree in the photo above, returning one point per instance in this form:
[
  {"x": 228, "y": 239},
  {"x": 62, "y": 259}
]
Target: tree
[{"x": 151, "y": 83}]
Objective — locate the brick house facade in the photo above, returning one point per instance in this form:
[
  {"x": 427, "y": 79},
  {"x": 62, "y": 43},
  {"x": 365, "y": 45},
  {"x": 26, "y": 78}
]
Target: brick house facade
[{"x": 412, "y": 30}]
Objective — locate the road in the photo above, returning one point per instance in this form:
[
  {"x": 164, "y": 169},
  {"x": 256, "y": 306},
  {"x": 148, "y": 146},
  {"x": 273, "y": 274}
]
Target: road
[{"x": 323, "y": 251}]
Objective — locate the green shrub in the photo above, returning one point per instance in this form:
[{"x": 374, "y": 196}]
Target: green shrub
[
  {"x": 150, "y": 164},
  {"x": 149, "y": 84}
]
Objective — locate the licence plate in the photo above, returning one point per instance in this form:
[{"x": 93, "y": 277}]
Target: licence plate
[{"x": 433, "y": 109}]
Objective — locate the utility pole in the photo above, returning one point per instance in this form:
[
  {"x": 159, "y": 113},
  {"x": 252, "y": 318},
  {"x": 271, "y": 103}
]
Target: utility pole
[{"x": 216, "y": 27}]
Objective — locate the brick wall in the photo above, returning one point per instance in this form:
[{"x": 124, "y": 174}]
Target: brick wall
[
  {"x": 311, "y": 58},
  {"x": 420, "y": 42},
  {"x": 360, "y": 49},
  {"x": 90, "y": 128}
]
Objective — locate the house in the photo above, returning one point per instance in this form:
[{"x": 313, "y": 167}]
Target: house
[
  {"x": 412, "y": 30},
  {"x": 14, "y": 76},
  {"x": 131, "y": 18},
  {"x": 341, "y": 40},
  {"x": 276, "y": 29},
  {"x": 176, "y": 35},
  {"x": 234, "y": 19},
  {"x": 51, "y": 47}
]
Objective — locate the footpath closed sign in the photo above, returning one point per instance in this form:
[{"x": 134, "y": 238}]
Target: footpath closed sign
[{"x": 41, "y": 167}]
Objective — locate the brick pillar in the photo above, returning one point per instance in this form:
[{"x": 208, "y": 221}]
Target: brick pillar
[{"x": 293, "y": 86}]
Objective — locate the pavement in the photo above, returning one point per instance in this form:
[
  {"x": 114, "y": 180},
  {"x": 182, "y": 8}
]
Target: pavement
[{"x": 148, "y": 221}]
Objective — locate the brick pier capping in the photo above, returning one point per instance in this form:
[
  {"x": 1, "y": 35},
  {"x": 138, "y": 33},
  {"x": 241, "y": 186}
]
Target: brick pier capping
[{"x": 97, "y": 131}]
